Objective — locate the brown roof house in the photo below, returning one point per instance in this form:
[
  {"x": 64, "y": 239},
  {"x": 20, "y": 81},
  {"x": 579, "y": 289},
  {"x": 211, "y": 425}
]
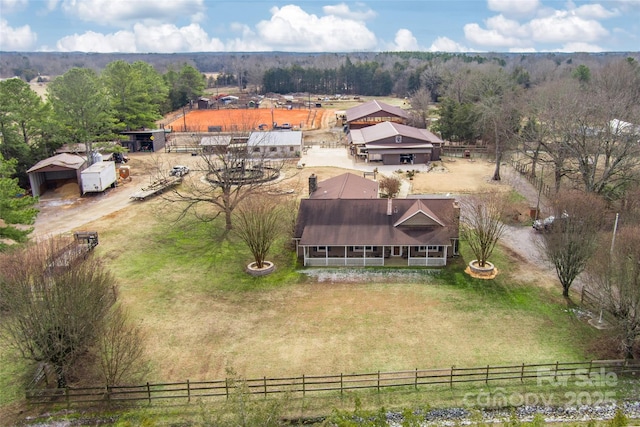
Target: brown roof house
[
  {"x": 395, "y": 144},
  {"x": 365, "y": 231},
  {"x": 374, "y": 112}
]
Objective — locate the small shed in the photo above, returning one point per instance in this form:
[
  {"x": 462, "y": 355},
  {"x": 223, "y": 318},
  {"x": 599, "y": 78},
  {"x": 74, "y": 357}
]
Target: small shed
[
  {"x": 54, "y": 171},
  {"x": 282, "y": 144}
]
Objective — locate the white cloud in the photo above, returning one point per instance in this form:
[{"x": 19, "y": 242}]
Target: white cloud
[
  {"x": 18, "y": 39},
  {"x": 445, "y": 44},
  {"x": 492, "y": 37},
  {"x": 169, "y": 38},
  {"x": 292, "y": 29},
  {"x": 595, "y": 11},
  {"x": 404, "y": 41},
  {"x": 122, "y": 13},
  {"x": 342, "y": 10},
  {"x": 563, "y": 27},
  {"x": 514, "y": 7},
  {"x": 9, "y": 6},
  {"x": 580, "y": 47},
  {"x": 122, "y": 41},
  {"x": 157, "y": 38}
]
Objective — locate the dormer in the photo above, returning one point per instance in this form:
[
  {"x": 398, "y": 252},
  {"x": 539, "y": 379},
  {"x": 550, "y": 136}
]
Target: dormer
[{"x": 419, "y": 215}]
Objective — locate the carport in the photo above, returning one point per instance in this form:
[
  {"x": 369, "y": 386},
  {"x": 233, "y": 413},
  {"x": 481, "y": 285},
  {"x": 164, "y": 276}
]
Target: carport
[{"x": 53, "y": 171}]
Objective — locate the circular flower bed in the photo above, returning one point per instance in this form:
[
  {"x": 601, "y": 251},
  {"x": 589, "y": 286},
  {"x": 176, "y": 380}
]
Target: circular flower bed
[
  {"x": 267, "y": 268},
  {"x": 489, "y": 271}
]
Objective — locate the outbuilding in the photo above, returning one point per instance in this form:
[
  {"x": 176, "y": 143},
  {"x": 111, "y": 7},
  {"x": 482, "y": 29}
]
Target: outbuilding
[
  {"x": 395, "y": 144},
  {"x": 55, "y": 171},
  {"x": 152, "y": 140}
]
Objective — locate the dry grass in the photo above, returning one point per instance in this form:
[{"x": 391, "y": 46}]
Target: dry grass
[
  {"x": 461, "y": 177},
  {"x": 199, "y": 325}
]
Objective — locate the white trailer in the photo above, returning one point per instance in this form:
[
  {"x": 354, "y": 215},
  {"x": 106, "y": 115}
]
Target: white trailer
[{"x": 98, "y": 177}]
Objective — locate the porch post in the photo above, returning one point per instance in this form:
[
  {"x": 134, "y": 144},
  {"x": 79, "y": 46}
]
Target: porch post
[
  {"x": 345, "y": 255},
  {"x": 444, "y": 253},
  {"x": 364, "y": 255},
  {"x": 305, "y": 254},
  {"x": 426, "y": 261}
]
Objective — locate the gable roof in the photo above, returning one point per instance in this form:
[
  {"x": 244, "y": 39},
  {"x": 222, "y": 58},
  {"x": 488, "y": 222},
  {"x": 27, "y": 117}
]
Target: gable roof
[
  {"x": 373, "y": 107},
  {"x": 275, "y": 138},
  {"x": 59, "y": 161},
  {"x": 419, "y": 214},
  {"x": 386, "y": 130},
  {"x": 342, "y": 222},
  {"x": 346, "y": 186}
]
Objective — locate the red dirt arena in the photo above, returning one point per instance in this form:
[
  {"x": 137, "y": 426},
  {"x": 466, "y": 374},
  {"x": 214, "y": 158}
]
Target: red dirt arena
[{"x": 230, "y": 120}]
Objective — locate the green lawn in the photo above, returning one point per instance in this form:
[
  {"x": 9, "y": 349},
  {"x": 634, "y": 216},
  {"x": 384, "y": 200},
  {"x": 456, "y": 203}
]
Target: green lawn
[{"x": 185, "y": 285}]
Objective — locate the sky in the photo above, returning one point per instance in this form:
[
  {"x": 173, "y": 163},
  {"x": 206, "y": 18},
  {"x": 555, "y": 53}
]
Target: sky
[{"x": 171, "y": 26}]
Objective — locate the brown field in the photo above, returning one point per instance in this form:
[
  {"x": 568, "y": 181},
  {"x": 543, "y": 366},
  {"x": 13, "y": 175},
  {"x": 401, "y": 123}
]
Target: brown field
[{"x": 249, "y": 119}]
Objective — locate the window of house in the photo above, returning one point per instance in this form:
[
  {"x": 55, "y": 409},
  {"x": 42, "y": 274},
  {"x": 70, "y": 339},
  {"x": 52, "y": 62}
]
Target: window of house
[
  {"x": 322, "y": 249},
  {"x": 291, "y": 149},
  {"x": 256, "y": 149},
  {"x": 273, "y": 149},
  {"x": 428, "y": 248},
  {"x": 398, "y": 138},
  {"x": 362, "y": 248}
]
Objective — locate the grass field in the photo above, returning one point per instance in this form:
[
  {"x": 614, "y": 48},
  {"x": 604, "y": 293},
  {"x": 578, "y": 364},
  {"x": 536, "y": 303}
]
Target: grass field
[
  {"x": 203, "y": 314},
  {"x": 185, "y": 286}
]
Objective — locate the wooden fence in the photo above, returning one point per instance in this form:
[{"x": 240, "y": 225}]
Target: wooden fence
[
  {"x": 470, "y": 151},
  {"x": 537, "y": 182},
  {"x": 315, "y": 384}
]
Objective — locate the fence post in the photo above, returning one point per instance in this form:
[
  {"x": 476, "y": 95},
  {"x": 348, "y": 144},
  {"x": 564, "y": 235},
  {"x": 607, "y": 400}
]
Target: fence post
[
  {"x": 522, "y": 373},
  {"x": 341, "y": 384},
  {"x": 108, "y": 394},
  {"x": 486, "y": 377},
  {"x": 451, "y": 377},
  {"x": 590, "y": 364},
  {"x": 555, "y": 375},
  {"x": 226, "y": 387},
  {"x": 265, "y": 386},
  {"x": 416, "y": 382},
  {"x": 66, "y": 393},
  {"x": 188, "y": 391},
  {"x": 304, "y": 388},
  {"x": 378, "y": 381},
  {"x": 149, "y": 392}
]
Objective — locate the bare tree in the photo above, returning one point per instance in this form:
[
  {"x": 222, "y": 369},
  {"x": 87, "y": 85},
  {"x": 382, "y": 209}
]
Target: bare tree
[
  {"x": 235, "y": 169},
  {"x": 258, "y": 224},
  {"x": 420, "y": 108},
  {"x": 616, "y": 280},
  {"x": 571, "y": 240},
  {"x": 481, "y": 223},
  {"x": 120, "y": 349},
  {"x": 56, "y": 303},
  {"x": 389, "y": 186}
]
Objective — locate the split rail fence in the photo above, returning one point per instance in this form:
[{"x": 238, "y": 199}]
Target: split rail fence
[{"x": 338, "y": 384}]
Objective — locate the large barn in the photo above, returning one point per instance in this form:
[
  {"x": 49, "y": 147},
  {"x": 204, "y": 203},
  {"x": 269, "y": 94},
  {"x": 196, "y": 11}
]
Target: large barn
[
  {"x": 395, "y": 144},
  {"x": 372, "y": 113}
]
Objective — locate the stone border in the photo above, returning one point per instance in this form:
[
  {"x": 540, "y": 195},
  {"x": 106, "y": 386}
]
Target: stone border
[
  {"x": 489, "y": 271},
  {"x": 268, "y": 268}
]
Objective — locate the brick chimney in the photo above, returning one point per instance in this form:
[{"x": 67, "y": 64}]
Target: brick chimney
[
  {"x": 389, "y": 206},
  {"x": 313, "y": 183}
]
